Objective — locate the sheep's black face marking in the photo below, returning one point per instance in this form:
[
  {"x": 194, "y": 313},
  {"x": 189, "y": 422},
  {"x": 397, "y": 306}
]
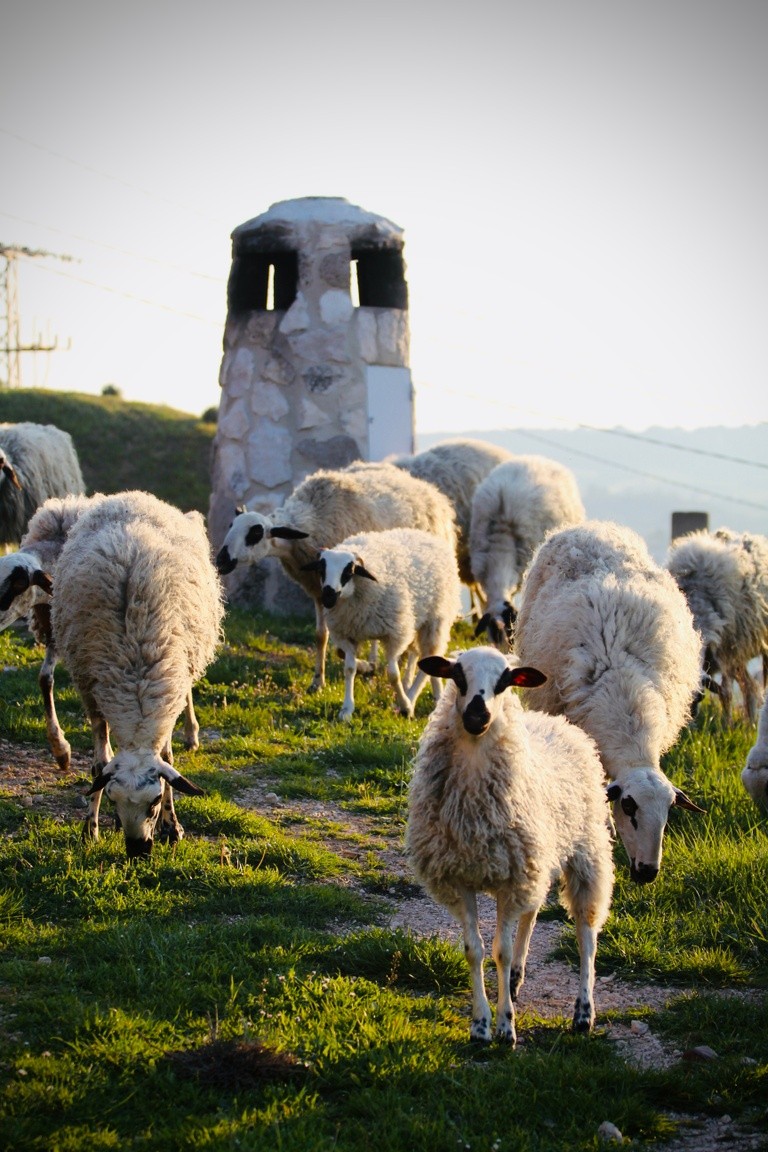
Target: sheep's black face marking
[
  {"x": 328, "y": 596},
  {"x": 254, "y": 535},
  {"x": 629, "y": 808},
  {"x": 224, "y": 562},
  {"x": 347, "y": 574},
  {"x": 459, "y": 679},
  {"x": 476, "y": 716}
]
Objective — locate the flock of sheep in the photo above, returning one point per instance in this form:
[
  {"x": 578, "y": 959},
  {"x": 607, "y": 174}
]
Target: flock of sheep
[{"x": 610, "y": 650}]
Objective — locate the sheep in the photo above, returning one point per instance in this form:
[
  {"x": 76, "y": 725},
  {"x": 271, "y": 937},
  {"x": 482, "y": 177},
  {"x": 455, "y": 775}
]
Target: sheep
[
  {"x": 506, "y": 801},
  {"x": 26, "y": 589},
  {"x": 322, "y": 511},
  {"x": 513, "y": 509},
  {"x": 399, "y": 586},
  {"x": 136, "y": 615},
  {"x": 754, "y": 775},
  {"x": 614, "y": 635},
  {"x": 456, "y": 467},
  {"x": 36, "y": 461},
  {"x": 724, "y": 576}
]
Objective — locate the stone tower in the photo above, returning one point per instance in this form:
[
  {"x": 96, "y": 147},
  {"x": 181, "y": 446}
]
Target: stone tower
[{"x": 315, "y": 369}]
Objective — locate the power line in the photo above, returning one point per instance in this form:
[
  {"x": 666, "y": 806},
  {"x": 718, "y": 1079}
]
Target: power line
[{"x": 11, "y": 347}]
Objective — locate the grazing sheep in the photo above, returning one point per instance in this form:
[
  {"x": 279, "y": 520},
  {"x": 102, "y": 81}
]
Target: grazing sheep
[
  {"x": 513, "y": 509},
  {"x": 754, "y": 776},
  {"x": 26, "y": 589},
  {"x": 724, "y": 576},
  {"x": 506, "y": 801},
  {"x": 36, "y": 461},
  {"x": 321, "y": 512},
  {"x": 613, "y": 634},
  {"x": 399, "y": 586},
  {"x": 456, "y": 467},
  {"x": 136, "y": 615}
]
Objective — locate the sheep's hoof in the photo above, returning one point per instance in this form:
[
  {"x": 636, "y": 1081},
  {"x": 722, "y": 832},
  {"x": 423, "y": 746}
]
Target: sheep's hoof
[
  {"x": 480, "y": 1030},
  {"x": 345, "y": 714},
  {"x": 316, "y": 685},
  {"x": 364, "y": 668},
  {"x": 64, "y": 760},
  {"x": 90, "y": 832},
  {"x": 505, "y": 1034},
  {"x": 583, "y": 1017}
]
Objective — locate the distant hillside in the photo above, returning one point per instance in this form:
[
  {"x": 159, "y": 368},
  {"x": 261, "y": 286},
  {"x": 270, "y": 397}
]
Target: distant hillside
[
  {"x": 641, "y": 479},
  {"x": 125, "y": 445}
]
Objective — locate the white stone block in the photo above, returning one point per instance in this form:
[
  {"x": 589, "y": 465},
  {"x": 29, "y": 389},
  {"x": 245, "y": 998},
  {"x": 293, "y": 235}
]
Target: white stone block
[
  {"x": 240, "y": 372},
  {"x": 234, "y": 422},
  {"x": 335, "y": 306},
  {"x": 393, "y": 337},
  {"x": 365, "y": 328},
  {"x": 296, "y": 318},
  {"x": 268, "y": 400},
  {"x": 268, "y": 454},
  {"x": 311, "y": 416}
]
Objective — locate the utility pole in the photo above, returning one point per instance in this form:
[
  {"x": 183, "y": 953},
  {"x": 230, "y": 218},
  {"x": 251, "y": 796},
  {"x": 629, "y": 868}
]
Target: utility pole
[{"x": 10, "y": 323}]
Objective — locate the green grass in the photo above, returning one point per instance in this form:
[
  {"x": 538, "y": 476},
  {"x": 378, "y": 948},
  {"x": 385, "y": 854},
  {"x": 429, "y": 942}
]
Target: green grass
[
  {"x": 123, "y": 444},
  {"x": 118, "y": 981}
]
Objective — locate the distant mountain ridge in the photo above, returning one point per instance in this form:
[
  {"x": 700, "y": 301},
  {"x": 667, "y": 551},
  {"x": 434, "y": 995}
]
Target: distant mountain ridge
[{"x": 641, "y": 478}]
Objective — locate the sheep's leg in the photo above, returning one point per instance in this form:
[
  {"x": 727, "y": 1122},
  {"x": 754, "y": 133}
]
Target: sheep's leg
[
  {"x": 321, "y": 647},
  {"x": 465, "y": 912},
  {"x": 411, "y": 657},
  {"x": 171, "y": 828},
  {"x": 191, "y": 726},
  {"x": 102, "y": 754},
  {"x": 520, "y": 951},
  {"x": 726, "y": 696},
  {"x": 584, "y": 1011},
  {"x": 350, "y": 669},
  {"x": 404, "y": 704},
  {"x": 57, "y": 741},
  {"x": 750, "y": 694},
  {"x": 502, "y": 954}
]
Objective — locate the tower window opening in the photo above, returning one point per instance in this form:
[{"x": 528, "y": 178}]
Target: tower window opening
[
  {"x": 263, "y": 282},
  {"x": 379, "y": 274}
]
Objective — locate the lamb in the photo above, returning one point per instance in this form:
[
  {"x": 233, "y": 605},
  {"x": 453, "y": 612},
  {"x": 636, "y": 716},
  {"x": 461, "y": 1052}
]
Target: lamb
[
  {"x": 136, "y": 614},
  {"x": 456, "y": 467},
  {"x": 506, "y": 801},
  {"x": 724, "y": 576},
  {"x": 614, "y": 635},
  {"x": 513, "y": 509},
  {"x": 322, "y": 511},
  {"x": 36, "y": 461},
  {"x": 399, "y": 586},
  {"x": 754, "y": 776}
]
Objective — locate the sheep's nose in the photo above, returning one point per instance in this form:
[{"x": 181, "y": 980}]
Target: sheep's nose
[
  {"x": 224, "y": 562},
  {"x": 643, "y": 873},
  {"x": 329, "y": 596},
  {"x": 476, "y": 716},
  {"x": 136, "y": 846}
]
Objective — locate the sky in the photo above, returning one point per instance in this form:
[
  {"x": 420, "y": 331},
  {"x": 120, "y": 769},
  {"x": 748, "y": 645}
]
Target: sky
[{"x": 582, "y": 186}]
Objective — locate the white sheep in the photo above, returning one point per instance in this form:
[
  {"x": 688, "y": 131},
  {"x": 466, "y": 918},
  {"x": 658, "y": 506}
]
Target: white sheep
[
  {"x": 456, "y": 467},
  {"x": 26, "y": 589},
  {"x": 507, "y": 801},
  {"x": 613, "y": 634},
  {"x": 322, "y": 511},
  {"x": 754, "y": 776},
  {"x": 399, "y": 586},
  {"x": 513, "y": 509},
  {"x": 36, "y": 461},
  {"x": 136, "y": 615},
  {"x": 724, "y": 576}
]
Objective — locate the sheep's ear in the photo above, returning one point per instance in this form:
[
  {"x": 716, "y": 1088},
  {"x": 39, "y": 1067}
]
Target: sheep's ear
[
  {"x": 613, "y": 791},
  {"x": 360, "y": 570},
  {"x": 11, "y": 476},
  {"x": 482, "y": 624},
  {"x": 43, "y": 580},
  {"x": 438, "y": 666},
  {"x": 284, "y": 533},
  {"x": 682, "y": 801},
  {"x": 180, "y": 783},
  {"x": 98, "y": 784},
  {"x": 520, "y": 678}
]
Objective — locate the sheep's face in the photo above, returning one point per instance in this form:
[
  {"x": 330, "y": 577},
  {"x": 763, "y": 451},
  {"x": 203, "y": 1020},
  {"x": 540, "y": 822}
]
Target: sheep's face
[
  {"x": 22, "y": 584},
  {"x": 336, "y": 570},
  {"x": 755, "y": 776},
  {"x": 135, "y": 783},
  {"x": 481, "y": 676},
  {"x": 642, "y": 798},
  {"x": 499, "y": 623},
  {"x": 250, "y": 538},
  {"x": 7, "y": 473}
]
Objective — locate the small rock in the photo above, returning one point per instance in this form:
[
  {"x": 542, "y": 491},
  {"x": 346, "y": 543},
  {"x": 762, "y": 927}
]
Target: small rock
[
  {"x": 639, "y": 1028},
  {"x": 272, "y": 798},
  {"x": 609, "y": 1133},
  {"x": 26, "y": 801},
  {"x": 44, "y": 960},
  {"x": 701, "y": 1052}
]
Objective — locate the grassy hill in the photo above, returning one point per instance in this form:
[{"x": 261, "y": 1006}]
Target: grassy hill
[{"x": 122, "y": 444}]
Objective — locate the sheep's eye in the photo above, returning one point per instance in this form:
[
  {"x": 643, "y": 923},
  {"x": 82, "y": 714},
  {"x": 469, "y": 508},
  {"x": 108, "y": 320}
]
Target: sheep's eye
[
  {"x": 629, "y": 808},
  {"x": 460, "y": 679},
  {"x": 254, "y": 534},
  {"x": 347, "y": 574}
]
